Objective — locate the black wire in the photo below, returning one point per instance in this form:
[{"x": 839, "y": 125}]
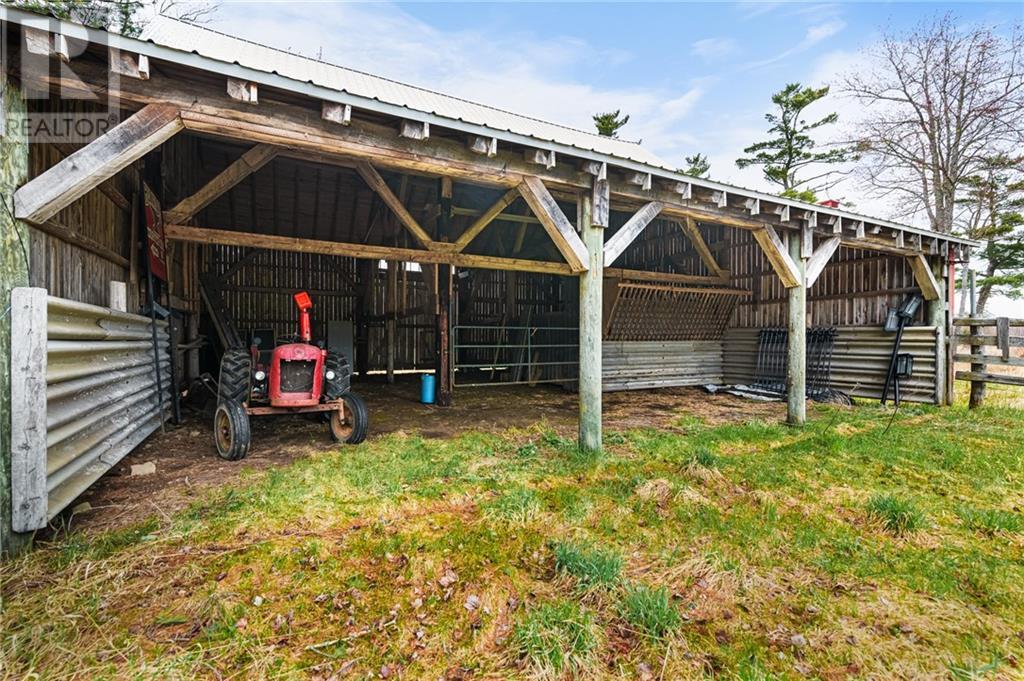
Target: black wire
[{"x": 24, "y": 251}]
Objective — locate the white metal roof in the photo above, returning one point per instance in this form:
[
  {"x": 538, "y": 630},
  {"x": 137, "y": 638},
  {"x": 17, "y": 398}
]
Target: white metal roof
[{"x": 222, "y": 47}]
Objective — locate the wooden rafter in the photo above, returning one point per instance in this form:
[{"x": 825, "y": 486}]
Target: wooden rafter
[
  {"x": 558, "y": 227},
  {"x": 689, "y": 226},
  {"x": 816, "y": 263},
  {"x": 924, "y": 277},
  {"x": 659, "y": 277},
  {"x": 486, "y": 218},
  {"x": 373, "y": 252},
  {"x": 778, "y": 257},
  {"x": 377, "y": 183},
  {"x": 251, "y": 161},
  {"x": 204, "y": 110},
  {"x": 50, "y": 192},
  {"x": 621, "y": 240}
]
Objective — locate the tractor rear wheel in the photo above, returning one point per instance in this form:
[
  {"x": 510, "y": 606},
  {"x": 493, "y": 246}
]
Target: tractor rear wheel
[
  {"x": 235, "y": 376},
  {"x": 231, "y": 430},
  {"x": 351, "y": 427},
  {"x": 336, "y": 365}
]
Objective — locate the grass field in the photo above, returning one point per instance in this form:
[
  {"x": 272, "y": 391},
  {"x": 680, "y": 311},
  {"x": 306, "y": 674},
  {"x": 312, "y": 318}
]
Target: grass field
[{"x": 856, "y": 547}]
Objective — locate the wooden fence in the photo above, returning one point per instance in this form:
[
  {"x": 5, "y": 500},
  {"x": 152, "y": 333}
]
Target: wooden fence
[{"x": 979, "y": 334}]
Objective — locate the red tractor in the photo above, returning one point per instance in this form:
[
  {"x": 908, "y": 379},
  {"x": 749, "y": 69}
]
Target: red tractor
[{"x": 301, "y": 377}]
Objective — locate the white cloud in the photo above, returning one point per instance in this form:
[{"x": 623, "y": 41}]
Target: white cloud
[
  {"x": 814, "y": 35},
  {"x": 712, "y": 49}
]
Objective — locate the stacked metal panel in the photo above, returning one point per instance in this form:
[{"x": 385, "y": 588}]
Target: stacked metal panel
[
  {"x": 637, "y": 365},
  {"x": 101, "y": 399}
]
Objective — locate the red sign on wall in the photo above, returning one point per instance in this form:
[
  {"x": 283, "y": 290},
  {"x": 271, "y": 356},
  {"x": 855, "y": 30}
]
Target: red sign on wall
[{"x": 156, "y": 244}]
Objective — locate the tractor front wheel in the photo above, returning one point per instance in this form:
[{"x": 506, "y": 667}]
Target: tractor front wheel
[
  {"x": 351, "y": 425},
  {"x": 231, "y": 430}
]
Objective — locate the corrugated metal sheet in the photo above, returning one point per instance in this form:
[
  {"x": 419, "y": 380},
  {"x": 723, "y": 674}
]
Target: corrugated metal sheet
[
  {"x": 637, "y": 365},
  {"x": 222, "y": 47},
  {"x": 859, "y": 363},
  {"x": 101, "y": 397}
]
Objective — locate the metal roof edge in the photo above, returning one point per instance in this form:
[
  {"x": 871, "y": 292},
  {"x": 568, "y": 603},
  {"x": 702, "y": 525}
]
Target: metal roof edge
[{"x": 270, "y": 79}]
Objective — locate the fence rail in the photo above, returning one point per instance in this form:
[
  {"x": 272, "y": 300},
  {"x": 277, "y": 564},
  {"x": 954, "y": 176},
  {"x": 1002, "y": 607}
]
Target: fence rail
[
  {"x": 979, "y": 335},
  {"x": 83, "y": 395}
]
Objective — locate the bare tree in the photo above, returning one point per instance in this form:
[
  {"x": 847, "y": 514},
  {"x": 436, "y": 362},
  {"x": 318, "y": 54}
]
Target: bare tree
[
  {"x": 192, "y": 11},
  {"x": 940, "y": 101}
]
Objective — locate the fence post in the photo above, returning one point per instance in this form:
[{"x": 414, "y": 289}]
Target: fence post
[
  {"x": 14, "y": 271},
  {"x": 977, "y": 398},
  {"x": 28, "y": 409}
]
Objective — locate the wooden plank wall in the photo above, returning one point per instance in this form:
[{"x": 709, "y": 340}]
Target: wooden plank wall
[
  {"x": 856, "y": 288},
  {"x": 259, "y": 295},
  {"x": 66, "y": 269}
]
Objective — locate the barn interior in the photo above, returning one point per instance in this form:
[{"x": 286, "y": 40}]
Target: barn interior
[{"x": 475, "y": 245}]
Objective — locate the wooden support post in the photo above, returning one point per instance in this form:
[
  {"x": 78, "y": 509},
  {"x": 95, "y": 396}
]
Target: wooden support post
[
  {"x": 390, "y": 316},
  {"x": 796, "y": 368},
  {"x": 14, "y": 269},
  {"x": 591, "y": 326},
  {"x": 445, "y": 277},
  {"x": 365, "y": 270},
  {"x": 936, "y": 316}
]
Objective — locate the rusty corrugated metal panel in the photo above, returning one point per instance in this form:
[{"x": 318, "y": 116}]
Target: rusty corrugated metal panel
[
  {"x": 101, "y": 393},
  {"x": 859, "y": 363}
]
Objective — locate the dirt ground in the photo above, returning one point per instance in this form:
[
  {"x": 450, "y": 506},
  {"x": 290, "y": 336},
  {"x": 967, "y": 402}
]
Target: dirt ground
[{"x": 186, "y": 461}]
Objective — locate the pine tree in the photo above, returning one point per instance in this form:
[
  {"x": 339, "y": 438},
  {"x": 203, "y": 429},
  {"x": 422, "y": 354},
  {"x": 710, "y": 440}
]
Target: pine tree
[
  {"x": 608, "y": 124},
  {"x": 790, "y": 150},
  {"x": 696, "y": 166}
]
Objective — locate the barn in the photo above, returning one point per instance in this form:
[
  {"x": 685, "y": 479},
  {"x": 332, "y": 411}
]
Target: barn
[{"x": 154, "y": 187}]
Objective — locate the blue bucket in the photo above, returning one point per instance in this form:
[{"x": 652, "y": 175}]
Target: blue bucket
[{"x": 427, "y": 388}]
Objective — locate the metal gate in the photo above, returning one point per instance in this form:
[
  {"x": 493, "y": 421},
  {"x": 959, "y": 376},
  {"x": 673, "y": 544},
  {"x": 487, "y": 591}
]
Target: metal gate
[{"x": 514, "y": 355}]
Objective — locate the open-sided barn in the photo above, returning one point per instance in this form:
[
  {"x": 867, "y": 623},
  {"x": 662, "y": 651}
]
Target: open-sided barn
[{"x": 433, "y": 233}]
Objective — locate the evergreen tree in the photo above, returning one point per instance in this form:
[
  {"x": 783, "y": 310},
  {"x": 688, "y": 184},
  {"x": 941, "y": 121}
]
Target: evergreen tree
[
  {"x": 696, "y": 166},
  {"x": 994, "y": 212},
  {"x": 791, "y": 150},
  {"x": 608, "y": 124}
]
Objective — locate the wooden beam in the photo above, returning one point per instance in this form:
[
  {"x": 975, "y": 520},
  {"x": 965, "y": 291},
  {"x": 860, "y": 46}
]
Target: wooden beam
[
  {"x": 377, "y": 183},
  {"x": 659, "y": 277},
  {"x": 336, "y": 113},
  {"x": 642, "y": 180},
  {"x": 243, "y": 91},
  {"x": 924, "y": 277},
  {"x": 600, "y": 203},
  {"x": 83, "y": 241},
  {"x": 598, "y": 170},
  {"x": 284, "y": 243},
  {"x": 129, "y": 64},
  {"x": 621, "y": 240},
  {"x": 590, "y": 329},
  {"x": 558, "y": 227},
  {"x": 486, "y": 218},
  {"x": 779, "y": 259},
  {"x": 487, "y": 146},
  {"x": 414, "y": 130},
  {"x": 251, "y": 161},
  {"x": 107, "y": 187},
  {"x": 816, "y": 263},
  {"x": 43, "y": 197},
  {"x": 689, "y": 226},
  {"x": 541, "y": 157},
  {"x": 205, "y": 111}
]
